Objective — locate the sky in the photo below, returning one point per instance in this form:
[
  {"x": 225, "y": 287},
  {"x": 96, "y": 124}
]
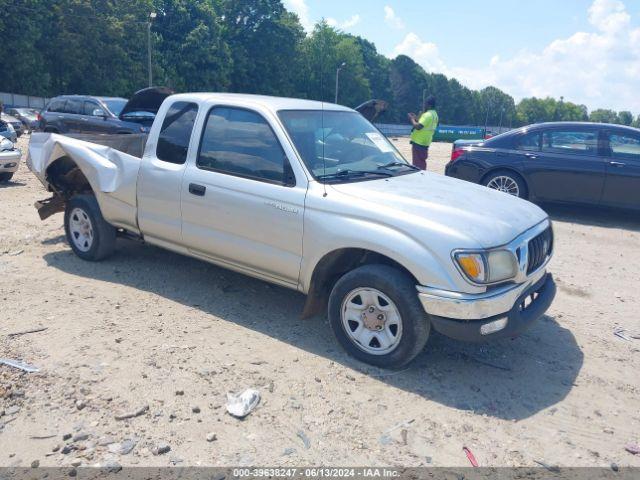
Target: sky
[{"x": 587, "y": 51}]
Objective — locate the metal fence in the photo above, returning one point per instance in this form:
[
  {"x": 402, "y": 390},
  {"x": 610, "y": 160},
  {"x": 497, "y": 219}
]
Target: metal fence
[
  {"x": 17, "y": 100},
  {"x": 444, "y": 133}
]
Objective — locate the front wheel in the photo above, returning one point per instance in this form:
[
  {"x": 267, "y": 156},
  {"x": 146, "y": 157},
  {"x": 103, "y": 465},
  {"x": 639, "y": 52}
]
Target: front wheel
[
  {"x": 88, "y": 233},
  {"x": 375, "y": 314},
  {"x": 6, "y": 176}
]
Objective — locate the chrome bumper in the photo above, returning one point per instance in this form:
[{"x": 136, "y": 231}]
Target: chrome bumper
[
  {"x": 463, "y": 306},
  {"x": 9, "y": 160}
]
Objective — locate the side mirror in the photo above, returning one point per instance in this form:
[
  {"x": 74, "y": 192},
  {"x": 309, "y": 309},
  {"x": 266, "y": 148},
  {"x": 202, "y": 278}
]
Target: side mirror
[{"x": 98, "y": 112}]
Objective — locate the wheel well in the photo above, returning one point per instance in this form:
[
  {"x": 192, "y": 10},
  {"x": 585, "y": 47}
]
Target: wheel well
[
  {"x": 333, "y": 266},
  {"x": 65, "y": 178}
]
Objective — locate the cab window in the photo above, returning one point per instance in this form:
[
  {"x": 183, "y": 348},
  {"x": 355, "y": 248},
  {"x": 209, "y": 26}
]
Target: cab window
[
  {"x": 240, "y": 142},
  {"x": 175, "y": 133}
]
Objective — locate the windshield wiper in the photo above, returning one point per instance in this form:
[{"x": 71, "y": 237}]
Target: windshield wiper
[
  {"x": 399, "y": 164},
  {"x": 353, "y": 173}
]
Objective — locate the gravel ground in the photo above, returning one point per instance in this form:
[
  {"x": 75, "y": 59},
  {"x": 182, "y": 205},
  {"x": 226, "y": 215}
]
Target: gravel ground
[{"x": 152, "y": 333}]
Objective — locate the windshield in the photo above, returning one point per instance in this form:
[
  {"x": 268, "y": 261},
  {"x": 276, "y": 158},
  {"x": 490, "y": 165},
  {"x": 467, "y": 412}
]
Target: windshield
[
  {"x": 342, "y": 146},
  {"x": 115, "y": 105}
]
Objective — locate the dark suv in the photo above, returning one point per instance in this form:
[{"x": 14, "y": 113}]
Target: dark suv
[{"x": 94, "y": 115}]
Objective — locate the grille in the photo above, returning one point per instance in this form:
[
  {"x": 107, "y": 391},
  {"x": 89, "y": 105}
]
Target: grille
[{"x": 539, "y": 249}]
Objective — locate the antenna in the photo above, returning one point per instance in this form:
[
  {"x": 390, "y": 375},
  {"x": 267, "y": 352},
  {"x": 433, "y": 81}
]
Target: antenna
[{"x": 324, "y": 158}]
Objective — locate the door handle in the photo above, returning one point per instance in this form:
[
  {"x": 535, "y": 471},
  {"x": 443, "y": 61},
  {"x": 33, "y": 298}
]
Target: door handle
[
  {"x": 617, "y": 164},
  {"x": 532, "y": 156},
  {"x": 196, "y": 189}
]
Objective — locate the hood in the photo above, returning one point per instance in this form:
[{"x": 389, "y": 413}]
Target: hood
[
  {"x": 489, "y": 217},
  {"x": 372, "y": 109},
  {"x": 146, "y": 100},
  {"x": 9, "y": 118}
]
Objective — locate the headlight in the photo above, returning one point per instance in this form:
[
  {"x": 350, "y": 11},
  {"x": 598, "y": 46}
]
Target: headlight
[{"x": 487, "y": 267}]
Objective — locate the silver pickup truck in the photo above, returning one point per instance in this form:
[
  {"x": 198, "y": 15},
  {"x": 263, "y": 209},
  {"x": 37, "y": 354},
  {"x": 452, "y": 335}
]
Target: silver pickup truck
[{"x": 311, "y": 196}]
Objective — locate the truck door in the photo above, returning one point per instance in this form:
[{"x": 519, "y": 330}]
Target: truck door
[
  {"x": 241, "y": 204},
  {"x": 161, "y": 172}
]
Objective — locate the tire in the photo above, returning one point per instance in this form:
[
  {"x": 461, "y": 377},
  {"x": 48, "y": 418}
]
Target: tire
[
  {"x": 6, "y": 176},
  {"x": 376, "y": 285},
  {"x": 509, "y": 181},
  {"x": 88, "y": 233}
]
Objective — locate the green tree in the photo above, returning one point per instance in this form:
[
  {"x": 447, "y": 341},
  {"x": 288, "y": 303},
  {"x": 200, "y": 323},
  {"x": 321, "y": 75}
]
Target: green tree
[
  {"x": 408, "y": 80},
  {"x": 603, "y": 116},
  {"x": 263, "y": 39},
  {"x": 191, "y": 49},
  {"x": 324, "y": 50},
  {"x": 625, "y": 118}
]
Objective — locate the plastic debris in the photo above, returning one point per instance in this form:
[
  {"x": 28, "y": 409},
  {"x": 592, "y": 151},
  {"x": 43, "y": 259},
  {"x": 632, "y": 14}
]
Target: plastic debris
[
  {"x": 621, "y": 334},
  {"x": 626, "y": 335},
  {"x": 634, "y": 449},
  {"x": 546, "y": 466},
  {"x": 133, "y": 414},
  {"x": 470, "y": 456},
  {"x": 303, "y": 436},
  {"x": 25, "y": 367},
  {"x": 241, "y": 405},
  {"x": 386, "y": 439}
]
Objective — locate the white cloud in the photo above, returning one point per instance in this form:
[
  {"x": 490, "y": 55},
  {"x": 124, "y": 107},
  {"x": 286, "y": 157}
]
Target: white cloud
[
  {"x": 351, "y": 22},
  {"x": 300, "y": 8},
  {"x": 425, "y": 54},
  {"x": 600, "y": 68},
  {"x": 392, "y": 19}
]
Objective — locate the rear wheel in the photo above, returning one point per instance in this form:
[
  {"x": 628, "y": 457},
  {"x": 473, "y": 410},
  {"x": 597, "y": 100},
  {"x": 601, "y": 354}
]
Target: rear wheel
[
  {"x": 375, "y": 314},
  {"x": 6, "y": 176},
  {"x": 88, "y": 233},
  {"x": 508, "y": 182}
]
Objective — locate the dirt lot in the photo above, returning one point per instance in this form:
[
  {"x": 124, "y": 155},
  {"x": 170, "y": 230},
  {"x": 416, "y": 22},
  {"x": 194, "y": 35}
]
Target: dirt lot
[{"x": 149, "y": 328}]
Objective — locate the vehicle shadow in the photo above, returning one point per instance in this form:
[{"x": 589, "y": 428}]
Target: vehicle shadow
[
  {"x": 509, "y": 379},
  {"x": 594, "y": 216},
  {"x": 11, "y": 183}
]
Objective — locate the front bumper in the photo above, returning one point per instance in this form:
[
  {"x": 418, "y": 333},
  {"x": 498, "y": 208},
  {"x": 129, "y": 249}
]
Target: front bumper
[
  {"x": 9, "y": 160},
  {"x": 504, "y": 312}
]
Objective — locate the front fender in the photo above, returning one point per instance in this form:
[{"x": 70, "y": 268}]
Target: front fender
[{"x": 327, "y": 232}]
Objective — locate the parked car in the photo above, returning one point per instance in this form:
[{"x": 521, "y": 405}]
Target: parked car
[
  {"x": 14, "y": 122},
  {"x": 29, "y": 117},
  {"x": 9, "y": 159},
  {"x": 7, "y": 131},
  {"x": 569, "y": 162},
  {"x": 72, "y": 114},
  {"x": 312, "y": 197}
]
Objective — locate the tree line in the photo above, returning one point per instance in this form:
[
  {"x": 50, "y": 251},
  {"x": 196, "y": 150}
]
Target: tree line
[{"x": 99, "y": 47}]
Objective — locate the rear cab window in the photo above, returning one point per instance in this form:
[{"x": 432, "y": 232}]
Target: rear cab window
[
  {"x": 175, "y": 133},
  {"x": 577, "y": 142}
]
